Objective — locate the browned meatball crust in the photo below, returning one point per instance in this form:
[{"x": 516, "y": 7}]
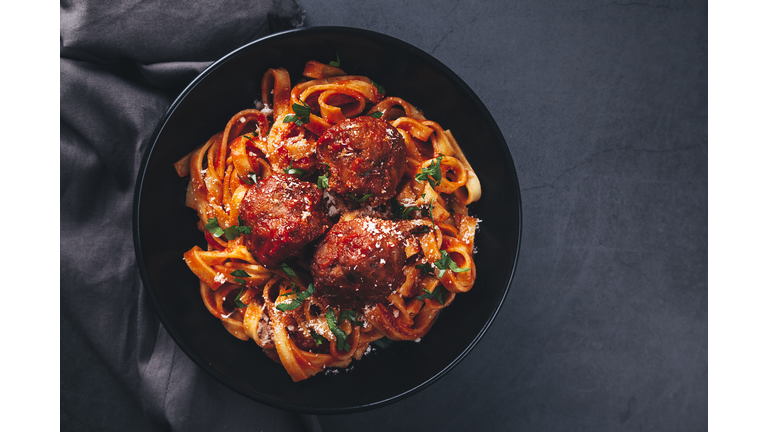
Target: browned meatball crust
[
  {"x": 285, "y": 214},
  {"x": 359, "y": 262},
  {"x": 364, "y": 155}
]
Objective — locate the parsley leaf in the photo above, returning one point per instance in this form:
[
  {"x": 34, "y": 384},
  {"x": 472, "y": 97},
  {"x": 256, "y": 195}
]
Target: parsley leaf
[
  {"x": 376, "y": 114},
  {"x": 438, "y": 293},
  {"x": 251, "y": 179},
  {"x": 446, "y": 263},
  {"x": 292, "y": 118},
  {"x": 383, "y": 342},
  {"x": 301, "y": 117},
  {"x": 432, "y": 173},
  {"x": 237, "y": 298},
  {"x": 297, "y": 171},
  {"x": 234, "y": 231},
  {"x": 349, "y": 315},
  {"x": 455, "y": 267},
  {"x": 288, "y": 270},
  {"x": 231, "y": 233},
  {"x": 253, "y": 138},
  {"x": 400, "y": 211},
  {"x": 213, "y": 227},
  {"x": 240, "y": 274},
  {"x": 425, "y": 268},
  {"x": 303, "y": 295},
  {"x": 431, "y": 208},
  {"x": 337, "y": 63},
  {"x": 322, "y": 181},
  {"x": 378, "y": 87},
  {"x": 360, "y": 200},
  {"x": 341, "y": 337},
  {"x": 300, "y": 297},
  {"x": 318, "y": 339}
]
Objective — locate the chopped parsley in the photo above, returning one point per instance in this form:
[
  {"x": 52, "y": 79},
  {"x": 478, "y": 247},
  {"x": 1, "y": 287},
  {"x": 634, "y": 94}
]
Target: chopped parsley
[
  {"x": 447, "y": 261},
  {"x": 341, "y": 337},
  {"x": 444, "y": 264},
  {"x": 437, "y": 294},
  {"x": 252, "y": 138},
  {"x": 230, "y": 233},
  {"x": 425, "y": 268},
  {"x": 295, "y": 171},
  {"x": 300, "y": 297},
  {"x": 301, "y": 117},
  {"x": 378, "y": 87},
  {"x": 237, "y": 298},
  {"x": 322, "y": 181},
  {"x": 213, "y": 227},
  {"x": 251, "y": 179},
  {"x": 337, "y": 63},
  {"x": 432, "y": 173},
  {"x": 431, "y": 208},
  {"x": 376, "y": 114},
  {"x": 318, "y": 339},
  {"x": 360, "y": 200},
  {"x": 351, "y": 316},
  {"x": 400, "y": 211},
  {"x": 240, "y": 274},
  {"x": 383, "y": 342},
  {"x": 288, "y": 271},
  {"x": 234, "y": 231}
]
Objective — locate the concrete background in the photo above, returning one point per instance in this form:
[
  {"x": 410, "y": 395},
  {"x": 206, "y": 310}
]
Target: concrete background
[{"x": 604, "y": 108}]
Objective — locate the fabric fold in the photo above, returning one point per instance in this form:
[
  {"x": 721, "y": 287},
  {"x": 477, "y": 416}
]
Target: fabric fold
[{"x": 121, "y": 66}]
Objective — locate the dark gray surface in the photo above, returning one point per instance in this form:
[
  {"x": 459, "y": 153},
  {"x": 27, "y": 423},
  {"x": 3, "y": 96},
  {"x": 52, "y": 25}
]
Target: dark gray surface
[{"x": 604, "y": 108}]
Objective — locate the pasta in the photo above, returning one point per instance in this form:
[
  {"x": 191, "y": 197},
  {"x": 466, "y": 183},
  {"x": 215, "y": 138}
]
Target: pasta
[{"x": 288, "y": 219}]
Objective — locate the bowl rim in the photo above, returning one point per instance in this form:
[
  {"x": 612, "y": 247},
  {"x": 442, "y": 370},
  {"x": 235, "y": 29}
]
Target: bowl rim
[{"x": 139, "y": 187}]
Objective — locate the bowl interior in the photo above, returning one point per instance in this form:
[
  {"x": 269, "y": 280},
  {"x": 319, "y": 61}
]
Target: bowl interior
[{"x": 164, "y": 228}]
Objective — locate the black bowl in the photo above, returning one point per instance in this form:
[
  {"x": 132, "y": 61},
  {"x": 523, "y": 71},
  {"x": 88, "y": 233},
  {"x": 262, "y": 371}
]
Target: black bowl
[{"x": 164, "y": 228}]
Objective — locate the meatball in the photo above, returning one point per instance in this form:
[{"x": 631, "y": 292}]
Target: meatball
[
  {"x": 365, "y": 155},
  {"x": 359, "y": 262},
  {"x": 284, "y": 214}
]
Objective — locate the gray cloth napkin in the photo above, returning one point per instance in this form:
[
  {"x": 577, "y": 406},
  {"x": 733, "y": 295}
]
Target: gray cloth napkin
[{"x": 122, "y": 63}]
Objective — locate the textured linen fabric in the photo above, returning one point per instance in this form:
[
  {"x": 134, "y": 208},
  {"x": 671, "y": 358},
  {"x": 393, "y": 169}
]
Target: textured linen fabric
[{"x": 121, "y": 65}]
